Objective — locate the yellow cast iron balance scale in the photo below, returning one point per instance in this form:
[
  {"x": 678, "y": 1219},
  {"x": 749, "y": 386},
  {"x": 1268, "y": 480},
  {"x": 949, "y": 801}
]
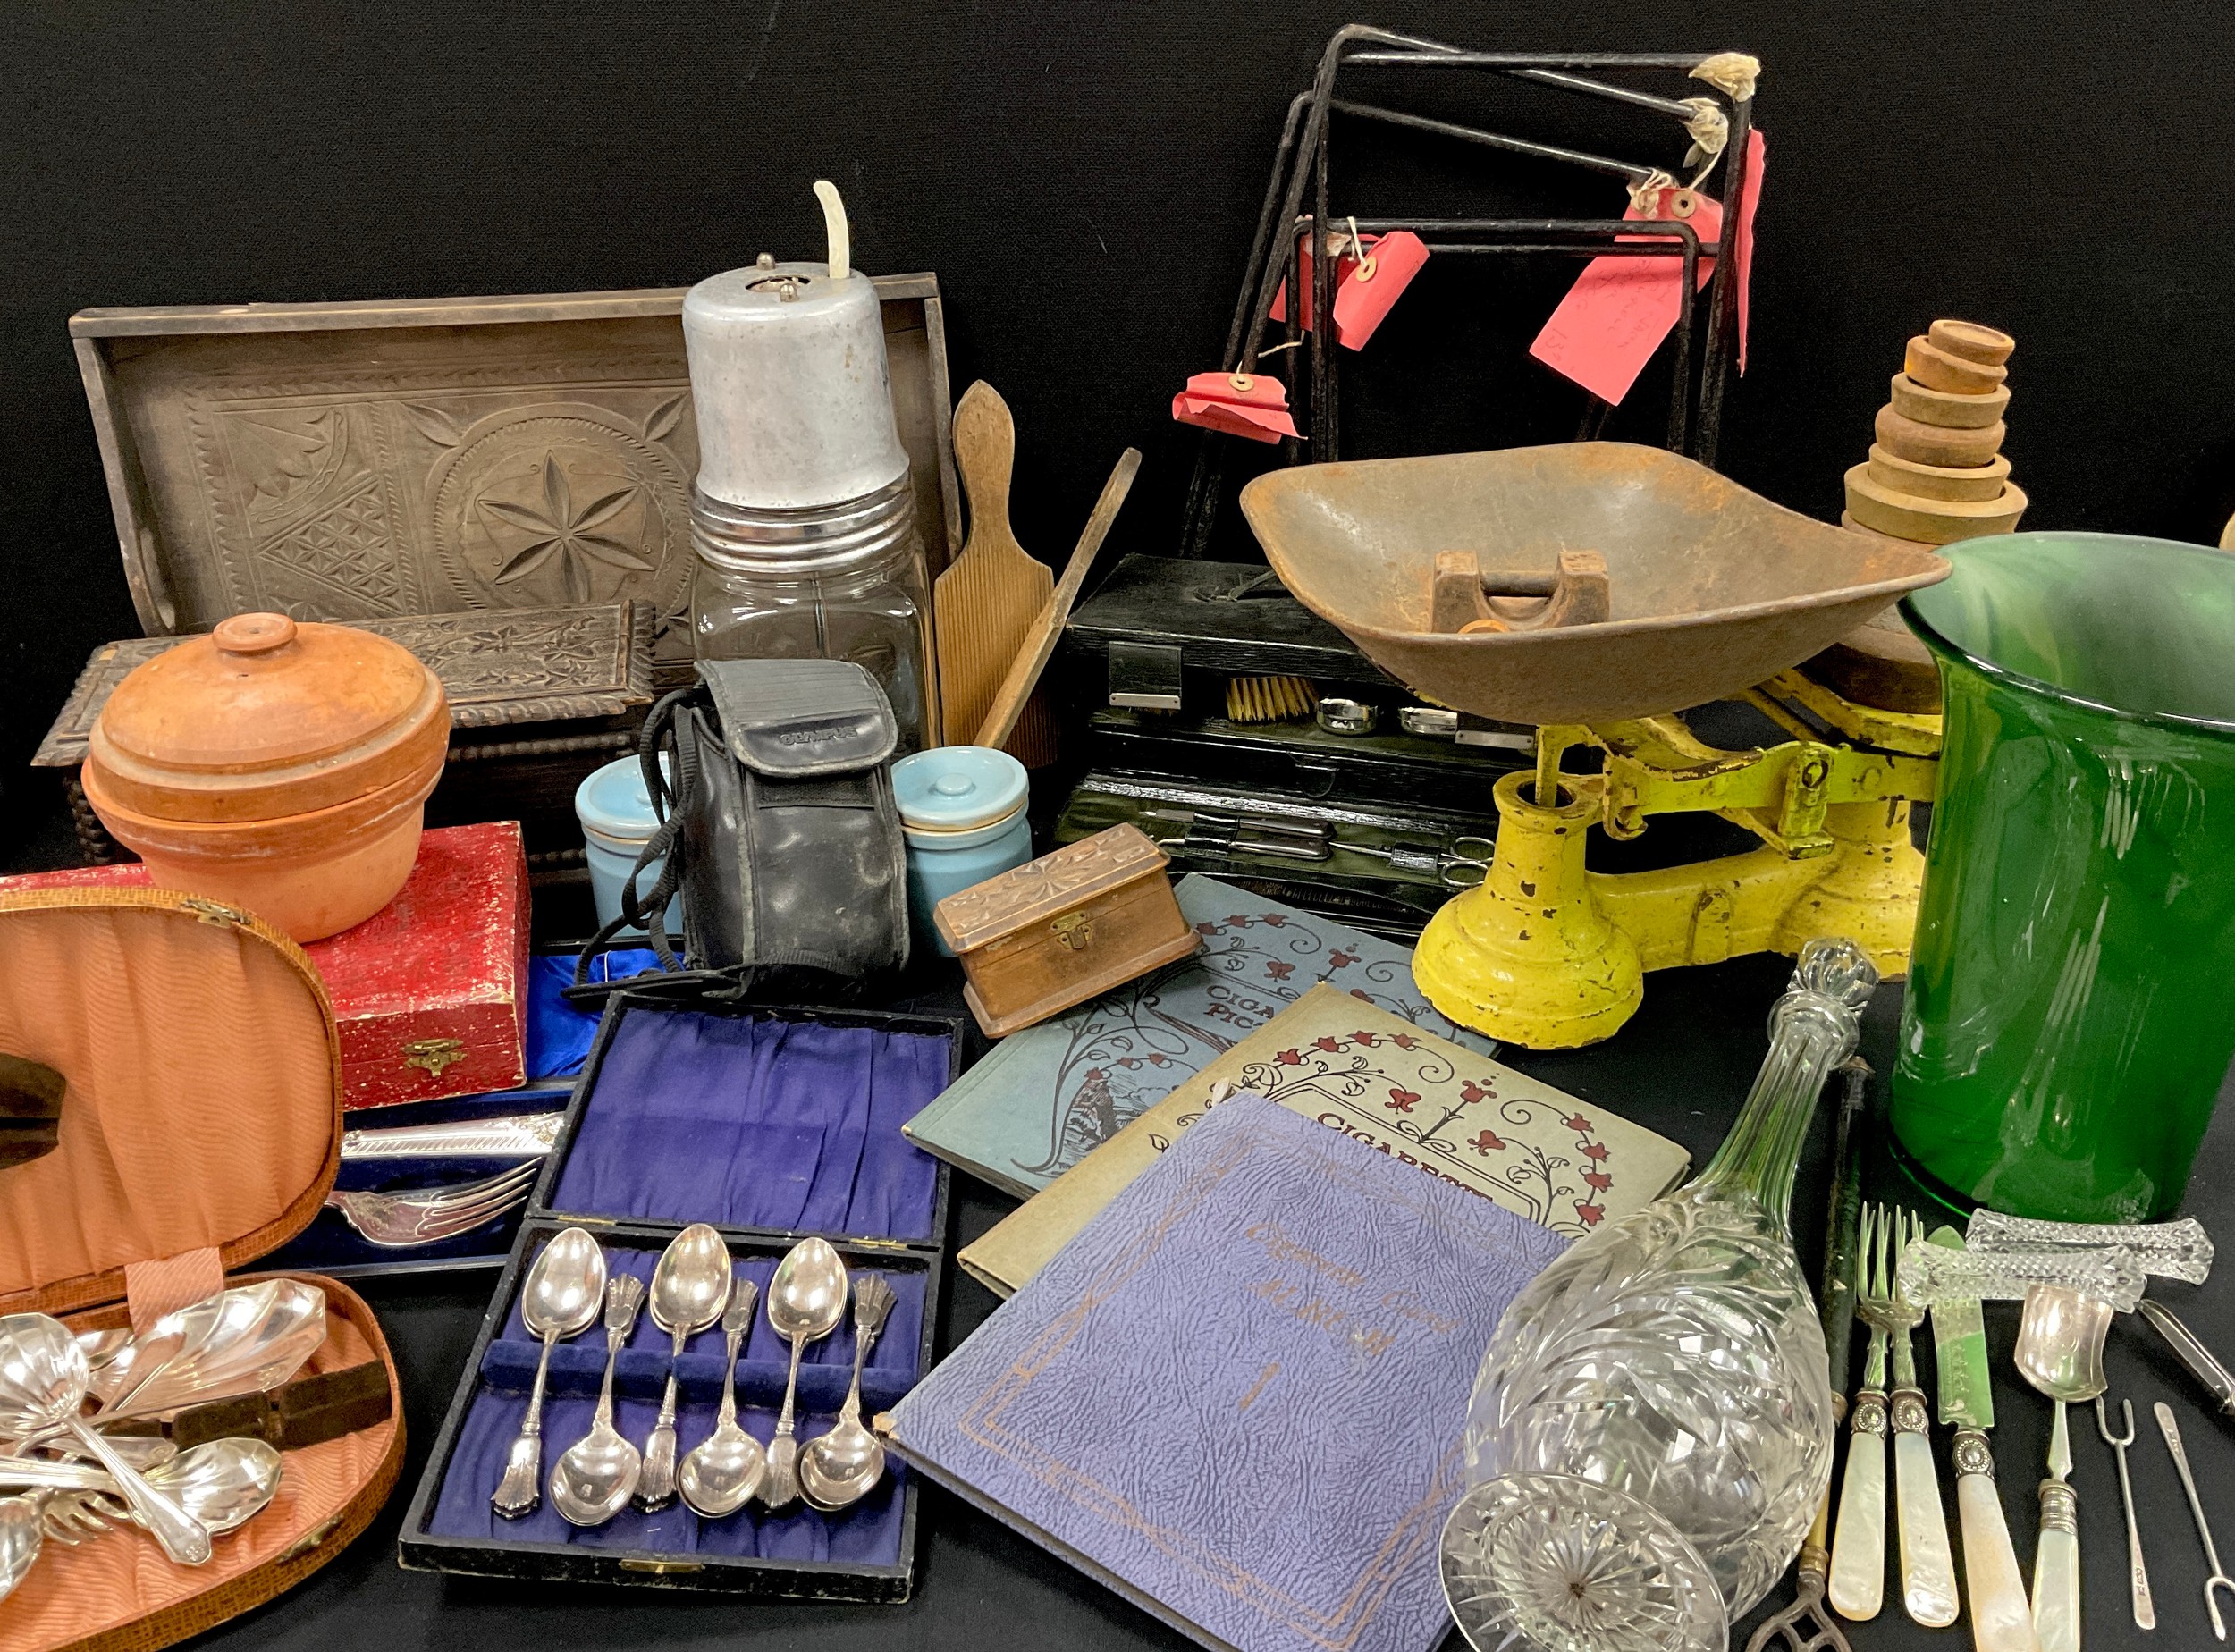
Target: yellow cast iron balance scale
[{"x": 1596, "y": 589}]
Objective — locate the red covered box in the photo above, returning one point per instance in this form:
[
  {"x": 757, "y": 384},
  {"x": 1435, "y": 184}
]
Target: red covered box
[{"x": 431, "y": 991}]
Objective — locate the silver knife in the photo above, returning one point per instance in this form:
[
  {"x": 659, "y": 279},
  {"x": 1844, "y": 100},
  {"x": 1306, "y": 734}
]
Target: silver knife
[
  {"x": 2002, "y": 1619},
  {"x": 518, "y": 1136},
  {"x": 2193, "y": 1354}
]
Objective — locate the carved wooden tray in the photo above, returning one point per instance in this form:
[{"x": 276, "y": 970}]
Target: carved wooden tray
[
  {"x": 584, "y": 666},
  {"x": 356, "y": 461},
  {"x": 538, "y": 698}
]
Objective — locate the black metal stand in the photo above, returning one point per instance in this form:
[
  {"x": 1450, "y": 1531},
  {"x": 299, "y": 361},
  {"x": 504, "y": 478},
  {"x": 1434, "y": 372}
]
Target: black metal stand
[{"x": 1302, "y": 155}]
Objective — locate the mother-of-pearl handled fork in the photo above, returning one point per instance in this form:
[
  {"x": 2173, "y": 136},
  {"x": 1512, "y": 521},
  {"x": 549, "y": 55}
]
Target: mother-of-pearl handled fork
[
  {"x": 1929, "y": 1580},
  {"x": 1857, "y": 1586}
]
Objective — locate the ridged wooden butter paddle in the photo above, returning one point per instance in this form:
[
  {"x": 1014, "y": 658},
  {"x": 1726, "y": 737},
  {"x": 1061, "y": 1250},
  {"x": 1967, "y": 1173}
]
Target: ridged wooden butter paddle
[
  {"x": 1040, "y": 640},
  {"x": 985, "y": 602}
]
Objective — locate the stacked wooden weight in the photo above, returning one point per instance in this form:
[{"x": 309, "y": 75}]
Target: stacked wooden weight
[{"x": 1937, "y": 473}]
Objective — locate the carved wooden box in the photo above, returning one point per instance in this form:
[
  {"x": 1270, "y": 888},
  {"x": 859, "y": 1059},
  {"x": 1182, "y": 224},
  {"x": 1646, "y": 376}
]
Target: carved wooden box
[
  {"x": 1065, "y": 928},
  {"x": 538, "y": 698},
  {"x": 353, "y": 461}
]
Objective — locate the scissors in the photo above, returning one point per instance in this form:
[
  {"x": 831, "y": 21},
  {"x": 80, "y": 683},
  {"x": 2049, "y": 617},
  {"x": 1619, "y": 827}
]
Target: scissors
[{"x": 1462, "y": 867}]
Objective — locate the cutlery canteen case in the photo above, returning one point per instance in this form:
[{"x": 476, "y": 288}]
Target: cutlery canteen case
[
  {"x": 772, "y": 1122},
  {"x": 199, "y": 1129}
]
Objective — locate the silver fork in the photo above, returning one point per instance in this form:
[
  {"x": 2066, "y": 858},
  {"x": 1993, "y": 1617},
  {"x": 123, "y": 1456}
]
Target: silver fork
[
  {"x": 70, "y": 1517},
  {"x": 427, "y": 1215},
  {"x": 1928, "y": 1579},
  {"x": 1857, "y": 1587},
  {"x": 2137, "y": 1570},
  {"x": 2219, "y": 1578}
]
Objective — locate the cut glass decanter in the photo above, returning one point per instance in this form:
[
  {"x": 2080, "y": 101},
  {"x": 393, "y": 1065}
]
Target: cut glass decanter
[{"x": 1652, "y": 1429}]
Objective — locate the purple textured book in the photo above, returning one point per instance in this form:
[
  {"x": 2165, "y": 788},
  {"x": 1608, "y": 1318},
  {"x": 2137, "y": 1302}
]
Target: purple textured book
[{"x": 1237, "y": 1397}]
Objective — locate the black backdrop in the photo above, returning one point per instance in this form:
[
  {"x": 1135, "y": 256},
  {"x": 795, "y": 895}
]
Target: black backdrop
[{"x": 1084, "y": 177}]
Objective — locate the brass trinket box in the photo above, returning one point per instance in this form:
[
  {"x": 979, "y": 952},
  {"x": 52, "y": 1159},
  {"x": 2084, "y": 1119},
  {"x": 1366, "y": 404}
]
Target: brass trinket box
[{"x": 1065, "y": 928}]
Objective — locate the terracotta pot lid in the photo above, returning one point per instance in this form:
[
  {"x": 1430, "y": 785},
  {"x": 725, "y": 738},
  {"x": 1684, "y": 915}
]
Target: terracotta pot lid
[{"x": 265, "y": 717}]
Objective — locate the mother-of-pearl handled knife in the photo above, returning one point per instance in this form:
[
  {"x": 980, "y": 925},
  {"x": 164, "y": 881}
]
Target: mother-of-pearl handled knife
[{"x": 2002, "y": 1619}]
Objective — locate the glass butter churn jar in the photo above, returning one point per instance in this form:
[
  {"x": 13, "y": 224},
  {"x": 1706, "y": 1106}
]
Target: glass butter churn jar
[{"x": 804, "y": 516}]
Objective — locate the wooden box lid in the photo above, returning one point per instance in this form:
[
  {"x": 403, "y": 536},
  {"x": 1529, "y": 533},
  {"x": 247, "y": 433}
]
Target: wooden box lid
[
  {"x": 502, "y": 668},
  {"x": 1040, "y": 889},
  {"x": 200, "y": 1122},
  {"x": 368, "y": 459}
]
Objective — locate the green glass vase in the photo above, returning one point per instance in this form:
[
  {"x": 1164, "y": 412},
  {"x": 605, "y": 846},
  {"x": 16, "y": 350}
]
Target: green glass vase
[{"x": 2070, "y": 1011}]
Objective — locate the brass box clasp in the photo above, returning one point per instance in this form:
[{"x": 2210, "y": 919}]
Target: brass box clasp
[
  {"x": 1075, "y": 930},
  {"x": 434, "y": 1056}
]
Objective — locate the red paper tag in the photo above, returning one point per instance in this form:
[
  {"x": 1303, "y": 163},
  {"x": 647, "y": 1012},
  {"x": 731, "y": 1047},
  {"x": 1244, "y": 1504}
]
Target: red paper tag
[
  {"x": 1360, "y": 305},
  {"x": 1370, "y": 286},
  {"x": 1253, "y": 405},
  {"x": 1620, "y": 309}
]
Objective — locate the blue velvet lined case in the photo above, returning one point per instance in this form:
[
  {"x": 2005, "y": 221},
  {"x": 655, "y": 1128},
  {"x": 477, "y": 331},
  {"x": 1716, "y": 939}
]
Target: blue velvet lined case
[{"x": 771, "y": 1122}]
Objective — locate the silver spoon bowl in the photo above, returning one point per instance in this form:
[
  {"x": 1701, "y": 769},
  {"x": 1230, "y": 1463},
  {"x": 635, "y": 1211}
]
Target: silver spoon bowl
[
  {"x": 837, "y": 1469},
  {"x": 241, "y": 1341},
  {"x": 2060, "y": 1341},
  {"x": 725, "y": 1469},
  {"x": 592, "y": 1482}
]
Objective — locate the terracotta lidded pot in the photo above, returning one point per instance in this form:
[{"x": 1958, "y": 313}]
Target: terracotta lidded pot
[{"x": 276, "y": 766}]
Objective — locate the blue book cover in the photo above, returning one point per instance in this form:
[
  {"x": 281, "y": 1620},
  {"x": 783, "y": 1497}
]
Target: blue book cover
[
  {"x": 1237, "y": 1396},
  {"x": 1049, "y": 1095}
]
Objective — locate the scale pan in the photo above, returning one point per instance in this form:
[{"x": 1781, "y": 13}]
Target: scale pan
[{"x": 1708, "y": 588}]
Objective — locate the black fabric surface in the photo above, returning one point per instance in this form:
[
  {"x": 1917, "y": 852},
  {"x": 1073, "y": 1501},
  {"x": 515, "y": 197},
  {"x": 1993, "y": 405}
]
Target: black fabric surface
[
  {"x": 1084, "y": 180},
  {"x": 1680, "y": 1066}
]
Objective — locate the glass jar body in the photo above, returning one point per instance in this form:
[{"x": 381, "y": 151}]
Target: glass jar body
[{"x": 846, "y": 583}]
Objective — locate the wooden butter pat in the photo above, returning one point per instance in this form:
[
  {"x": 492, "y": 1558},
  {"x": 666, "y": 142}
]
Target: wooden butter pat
[
  {"x": 1968, "y": 482},
  {"x": 1934, "y": 521},
  {"x": 1952, "y": 409},
  {"x": 1906, "y": 438},
  {"x": 1939, "y": 369}
]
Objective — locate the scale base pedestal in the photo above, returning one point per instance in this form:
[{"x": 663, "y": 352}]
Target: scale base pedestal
[{"x": 1547, "y": 955}]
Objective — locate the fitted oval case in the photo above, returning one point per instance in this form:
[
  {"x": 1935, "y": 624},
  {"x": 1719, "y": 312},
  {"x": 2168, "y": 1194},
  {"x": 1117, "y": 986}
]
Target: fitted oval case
[{"x": 199, "y": 1127}]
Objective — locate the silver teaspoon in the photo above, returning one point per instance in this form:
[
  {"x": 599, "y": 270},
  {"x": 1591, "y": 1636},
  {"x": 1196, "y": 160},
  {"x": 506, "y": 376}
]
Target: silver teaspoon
[
  {"x": 689, "y": 1288},
  {"x": 592, "y": 1482},
  {"x": 806, "y": 1299},
  {"x": 42, "y": 1385},
  {"x": 724, "y": 1469},
  {"x": 560, "y": 1299},
  {"x": 838, "y": 1469}
]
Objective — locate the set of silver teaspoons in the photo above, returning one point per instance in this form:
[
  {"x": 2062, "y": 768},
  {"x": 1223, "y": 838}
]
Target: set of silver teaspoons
[{"x": 695, "y": 1287}]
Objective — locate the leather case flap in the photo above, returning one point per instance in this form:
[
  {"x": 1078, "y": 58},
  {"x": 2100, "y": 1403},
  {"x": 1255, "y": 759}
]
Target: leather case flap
[
  {"x": 799, "y": 719},
  {"x": 201, "y": 1107}
]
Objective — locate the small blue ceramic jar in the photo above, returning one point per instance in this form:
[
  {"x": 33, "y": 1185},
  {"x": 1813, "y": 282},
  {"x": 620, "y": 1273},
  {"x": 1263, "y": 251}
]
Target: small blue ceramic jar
[
  {"x": 962, "y": 808},
  {"x": 617, "y": 821}
]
